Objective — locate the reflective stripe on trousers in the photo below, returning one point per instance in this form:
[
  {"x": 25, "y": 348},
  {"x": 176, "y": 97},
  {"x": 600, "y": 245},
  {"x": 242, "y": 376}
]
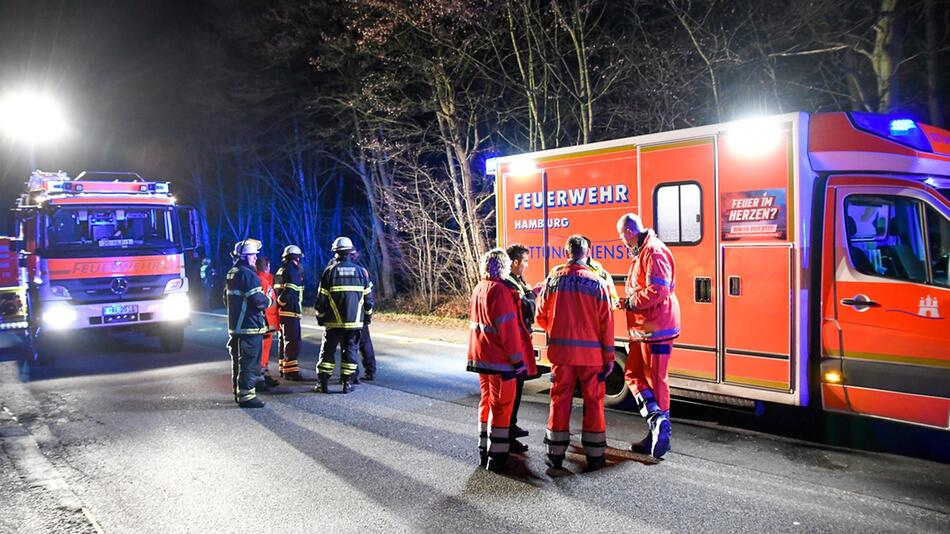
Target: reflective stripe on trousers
[
  {"x": 494, "y": 410},
  {"x": 245, "y": 354},
  {"x": 564, "y": 377},
  {"x": 647, "y": 375}
]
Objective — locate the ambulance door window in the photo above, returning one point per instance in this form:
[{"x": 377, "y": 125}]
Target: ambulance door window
[
  {"x": 938, "y": 237},
  {"x": 885, "y": 237},
  {"x": 678, "y": 210}
]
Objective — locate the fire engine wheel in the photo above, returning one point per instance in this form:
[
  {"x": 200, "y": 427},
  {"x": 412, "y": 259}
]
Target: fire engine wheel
[
  {"x": 171, "y": 338},
  {"x": 618, "y": 395}
]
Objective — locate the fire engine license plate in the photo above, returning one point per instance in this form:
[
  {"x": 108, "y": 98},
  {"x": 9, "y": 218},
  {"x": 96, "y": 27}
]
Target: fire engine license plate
[{"x": 120, "y": 313}]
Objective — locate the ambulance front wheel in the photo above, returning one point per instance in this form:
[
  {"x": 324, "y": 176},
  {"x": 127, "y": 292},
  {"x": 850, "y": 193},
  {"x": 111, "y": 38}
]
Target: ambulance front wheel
[
  {"x": 618, "y": 395},
  {"x": 171, "y": 338}
]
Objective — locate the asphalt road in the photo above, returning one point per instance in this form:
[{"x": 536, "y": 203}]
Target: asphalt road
[{"x": 115, "y": 436}]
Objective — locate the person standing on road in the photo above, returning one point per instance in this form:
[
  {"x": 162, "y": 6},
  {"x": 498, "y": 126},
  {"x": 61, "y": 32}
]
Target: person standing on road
[
  {"x": 207, "y": 273},
  {"x": 527, "y": 300},
  {"x": 653, "y": 320},
  {"x": 289, "y": 285},
  {"x": 246, "y": 303},
  {"x": 496, "y": 353},
  {"x": 367, "y": 351},
  {"x": 574, "y": 309},
  {"x": 343, "y": 298},
  {"x": 271, "y": 317}
]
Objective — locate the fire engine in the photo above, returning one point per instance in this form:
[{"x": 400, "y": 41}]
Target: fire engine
[
  {"x": 103, "y": 251},
  {"x": 811, "y": 253}
]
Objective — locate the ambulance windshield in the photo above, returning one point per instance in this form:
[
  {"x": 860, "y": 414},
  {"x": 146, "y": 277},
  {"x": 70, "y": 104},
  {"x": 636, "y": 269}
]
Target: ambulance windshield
[{"x": 106, "y": 229}]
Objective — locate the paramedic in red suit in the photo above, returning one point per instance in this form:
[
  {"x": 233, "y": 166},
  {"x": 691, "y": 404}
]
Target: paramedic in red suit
[
  {"x": 271, "y": 317},
  {"x": 576, "y": 311},
  {"x": 496, "y": 353},
  {"x": 653, "y": 320}
]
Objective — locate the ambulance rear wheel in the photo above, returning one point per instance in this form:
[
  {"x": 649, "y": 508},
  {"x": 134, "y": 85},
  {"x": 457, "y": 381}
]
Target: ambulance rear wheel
[
  {"x": 171, "y": 338},
  {"x": 618, "y": 395}
]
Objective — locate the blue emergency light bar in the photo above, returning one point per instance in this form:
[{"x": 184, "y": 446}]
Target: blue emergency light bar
[{"x": 900, "y": 130}]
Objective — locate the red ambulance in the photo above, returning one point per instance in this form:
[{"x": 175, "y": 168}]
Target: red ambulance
[{"x": 811, "y": 253}]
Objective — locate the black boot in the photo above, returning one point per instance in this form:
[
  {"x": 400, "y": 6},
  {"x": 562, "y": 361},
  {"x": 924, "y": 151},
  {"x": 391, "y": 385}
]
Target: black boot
[
  {"x": 369, "y": 376},
  {"x": 269, "y": 380},
  {"x": 644, "y": 446},
  {"x": 252, "y": 403},
  {"x": 482, "y": 458},
  {"x": 554, "y": 461},
  {"x": 517, "y": 447},
  {"x": 324, "y": 385},
  {"x": 497, "y": 463},
  {"x": 292, "y": 376},
  {"x": 594, "y": 463},
  {"x": 347, "y": 385}
]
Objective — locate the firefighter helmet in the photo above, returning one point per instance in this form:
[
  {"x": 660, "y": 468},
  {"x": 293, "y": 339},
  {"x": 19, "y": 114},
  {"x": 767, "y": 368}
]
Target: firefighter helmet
[
  {"x": 342, "y": 244},
  {"x": 292, "y": 250},
  {"x": 247, "y": 247}
]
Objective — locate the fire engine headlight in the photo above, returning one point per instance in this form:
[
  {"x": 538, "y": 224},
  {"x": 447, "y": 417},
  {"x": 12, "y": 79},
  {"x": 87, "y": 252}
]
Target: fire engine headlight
[
  {"x": 176, "y": 306},
  {"x": 174, "y": 285},
  {"x": 59, "y": 316},
  {"x": 59, "y": 291}
]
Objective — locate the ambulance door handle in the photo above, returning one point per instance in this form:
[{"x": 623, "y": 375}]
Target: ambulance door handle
[{"x": 860, "y": 302}]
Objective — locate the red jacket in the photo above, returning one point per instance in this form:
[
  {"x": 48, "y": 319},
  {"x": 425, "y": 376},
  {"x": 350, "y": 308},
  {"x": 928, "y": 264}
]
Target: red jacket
[
  {"x": 653, "y": 312},
  {"x": 496, "y": 342},
  {"x": 576, "y": 311},
  {"x": 271, "y": 312}
]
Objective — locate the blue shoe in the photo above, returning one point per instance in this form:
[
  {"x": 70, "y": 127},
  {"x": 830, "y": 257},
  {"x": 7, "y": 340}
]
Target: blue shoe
[{"x": 661, "y": 436}]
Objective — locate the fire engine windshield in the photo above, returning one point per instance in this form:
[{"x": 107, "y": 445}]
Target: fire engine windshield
[{"x": 108, "y": 229}]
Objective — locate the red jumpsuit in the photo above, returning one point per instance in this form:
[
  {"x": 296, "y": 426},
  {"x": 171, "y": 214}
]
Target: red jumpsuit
[
  {"x": 497, "y": 351},
  {"x": 653, "y": 320},
  {"x": 575, "y": 310},
  {"x": 271, "y": 316}
]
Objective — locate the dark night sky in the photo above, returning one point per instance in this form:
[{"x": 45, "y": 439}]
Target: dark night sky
[{"x": 117, "y": 67}]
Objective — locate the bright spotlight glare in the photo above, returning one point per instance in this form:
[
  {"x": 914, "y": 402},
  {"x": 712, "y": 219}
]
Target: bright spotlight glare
[
  {"x": 176, "y": 307},
  {"x": 31, "y": 117},
  {"x": 522, "y": 167},
  {"x": 754, "y": 138},
  {"x": 59, "y": 316}
]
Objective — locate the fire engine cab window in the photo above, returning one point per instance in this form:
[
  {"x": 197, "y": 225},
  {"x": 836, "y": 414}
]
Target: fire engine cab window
[
  {"x": 679, "y": 212},
  {"x": 109, "y": 228},
  {"x": 885, "y": 237},
  {"x": 938, "y": 236}
]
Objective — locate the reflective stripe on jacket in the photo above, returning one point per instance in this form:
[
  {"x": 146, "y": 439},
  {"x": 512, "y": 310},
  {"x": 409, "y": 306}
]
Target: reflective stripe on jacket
[
  {"x": 655, "y": 313},
  {"x": 600, "y": 271},
  {"x": 496, "y": 344},
  {"x": 246, "y": 301},
  {"x": 271, "y": 313},
  {"x": 345, "y": 295},
  {"x": 575, "y": 309},
  {"x": 289, "y": 285}
]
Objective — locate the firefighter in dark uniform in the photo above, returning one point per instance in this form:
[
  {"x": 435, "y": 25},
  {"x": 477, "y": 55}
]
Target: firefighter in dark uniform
[
  {"x": 289, "y": 283},
  {"x": 367, "y": 351},
  {"x": 343, "y": 298},
  {"x": 246, "y": 325},
  {"x": 527, "y": 299}
]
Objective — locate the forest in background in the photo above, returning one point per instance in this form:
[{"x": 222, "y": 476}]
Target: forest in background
[{"x": 373, "y": 118}]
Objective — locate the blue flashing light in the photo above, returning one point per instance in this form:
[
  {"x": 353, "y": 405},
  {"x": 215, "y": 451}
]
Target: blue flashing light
[
  {"x": 899, "y": 130},
  {"x": 902, "y": 126},
  {"x": 491, "y": 166}
]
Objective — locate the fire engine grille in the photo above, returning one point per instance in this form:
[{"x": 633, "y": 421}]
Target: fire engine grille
[{"x": 114, "y": 289}]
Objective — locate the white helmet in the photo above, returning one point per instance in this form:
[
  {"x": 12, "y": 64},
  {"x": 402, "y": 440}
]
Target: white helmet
[
  {"x": 292, "y": 250},
  {"x": 341, "y": 244},
  {"x": 247, "y": 247}
]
